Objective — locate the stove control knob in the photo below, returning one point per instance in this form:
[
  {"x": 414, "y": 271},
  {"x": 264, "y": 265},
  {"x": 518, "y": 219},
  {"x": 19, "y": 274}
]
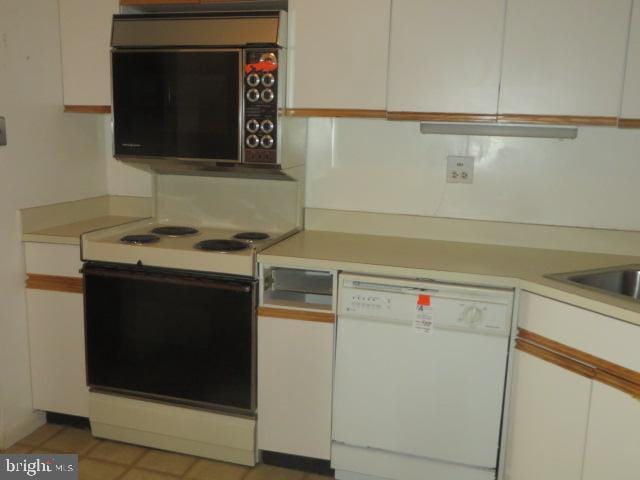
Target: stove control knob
[
  {"x": 267, "y": 95},
  {"x": 472, "y": 316},
  {"x": 252, "y": 141},
  {"x": 253, "y": 95},
  {"x": 253, "y": 125},
  {"x": 268, "y": 80},
  {"x": 267, "y": 141},
  {"x": 267, "y": 126},
  {"x": 253, "y": 79}
]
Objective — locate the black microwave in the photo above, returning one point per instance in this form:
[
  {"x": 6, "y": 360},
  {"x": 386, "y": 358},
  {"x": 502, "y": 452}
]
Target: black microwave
[{"x": 197, "y": 87}]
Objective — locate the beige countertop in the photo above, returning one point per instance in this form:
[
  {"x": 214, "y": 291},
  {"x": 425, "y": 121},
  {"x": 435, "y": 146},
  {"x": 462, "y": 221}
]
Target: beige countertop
[
  {"x": 65, "y": 222},
  {"x": 69, "y": 233},
  {"x": 502, "y": 266}
]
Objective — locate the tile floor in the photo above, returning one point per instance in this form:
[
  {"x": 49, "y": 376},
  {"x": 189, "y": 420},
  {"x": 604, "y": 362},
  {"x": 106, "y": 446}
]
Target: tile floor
[{"x": 107, "y": 460}]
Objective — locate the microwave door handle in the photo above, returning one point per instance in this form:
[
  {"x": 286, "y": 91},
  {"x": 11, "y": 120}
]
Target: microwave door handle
[{"x": 162, "y": 278}]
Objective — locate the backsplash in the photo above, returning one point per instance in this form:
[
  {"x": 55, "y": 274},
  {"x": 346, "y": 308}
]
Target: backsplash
[{"x": 389, "y": 167}]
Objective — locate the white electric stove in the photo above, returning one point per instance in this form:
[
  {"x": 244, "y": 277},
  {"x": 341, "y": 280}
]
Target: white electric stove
[
  {"x": 172, "y": 244},
  {"x": 170, "y": 314}
]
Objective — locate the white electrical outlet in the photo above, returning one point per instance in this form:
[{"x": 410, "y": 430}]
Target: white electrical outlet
[{"x": 460, "y": 169}]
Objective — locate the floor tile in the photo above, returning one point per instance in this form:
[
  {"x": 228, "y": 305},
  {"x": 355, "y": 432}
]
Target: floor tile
[
  {"x": 166, "y": 462},
  {"x": 269, "y": 472},
  {"x": 41, "y": 435},
  {"x": 210, "y": 470},
  {"x": 96, "y": 470},
  {"x": 117, "y": 452},
  {"x": 71, "y": 440},
  {"x": 18, "y": 448},
  {"x": 137, "y": 474}
]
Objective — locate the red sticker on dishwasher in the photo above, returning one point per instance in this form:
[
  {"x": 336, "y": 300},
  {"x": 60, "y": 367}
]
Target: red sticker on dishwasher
[{"x": 424, "y": 300}]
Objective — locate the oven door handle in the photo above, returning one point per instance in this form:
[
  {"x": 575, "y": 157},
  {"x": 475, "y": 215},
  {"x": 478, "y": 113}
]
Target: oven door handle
[{"x": 195, "y": 281}]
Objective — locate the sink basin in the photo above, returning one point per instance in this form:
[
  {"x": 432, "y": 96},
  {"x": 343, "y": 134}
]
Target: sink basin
[{"x": 621, "y": 281}]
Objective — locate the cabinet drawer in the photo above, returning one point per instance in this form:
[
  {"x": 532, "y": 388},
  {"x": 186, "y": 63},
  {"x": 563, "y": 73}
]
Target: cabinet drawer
[
  {"x": 605, "y": 337},
  {"x": 52, "y": 259}
]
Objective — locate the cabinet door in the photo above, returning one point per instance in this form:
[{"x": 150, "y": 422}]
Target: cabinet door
[
  {"x": 564, "y": 57},
  {"x": 295, "y": 371},
  {"x": 548, "y": 421},
  {"x": 55, "y": 317},
  {"x": 56, "y": 341},
  {"x": 85, "y": 33},
  {"x": 338, "y": 52},
  {"x": 631, "y": 100},
  {"x": 613, "y": 439},
  {"x": 445, "y": 56}
]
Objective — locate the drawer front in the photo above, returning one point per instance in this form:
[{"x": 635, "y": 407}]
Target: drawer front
[{"x": 604, "y": 337}]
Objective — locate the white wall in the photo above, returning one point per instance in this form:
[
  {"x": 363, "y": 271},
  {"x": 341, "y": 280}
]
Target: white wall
[
  {"x": 389, "y": 167},
  {"x": 50, "y": 157}
]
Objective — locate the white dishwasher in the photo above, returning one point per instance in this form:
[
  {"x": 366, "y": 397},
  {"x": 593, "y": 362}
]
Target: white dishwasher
[{"x": 419, "y": 379}]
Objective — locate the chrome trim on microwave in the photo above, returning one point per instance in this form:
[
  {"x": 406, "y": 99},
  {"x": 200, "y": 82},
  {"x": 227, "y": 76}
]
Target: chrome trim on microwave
[{"x": 195, "y": 30}]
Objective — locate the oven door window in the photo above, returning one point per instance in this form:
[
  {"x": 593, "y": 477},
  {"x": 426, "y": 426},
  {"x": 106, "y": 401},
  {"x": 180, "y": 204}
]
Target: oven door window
[
  {"x": 175, "y": 337},
  {"x": 183, "y": 104}
]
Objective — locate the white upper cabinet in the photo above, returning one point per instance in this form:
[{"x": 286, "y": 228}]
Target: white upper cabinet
[
  {"x": 564, "y": 57},
  {"x": 445, "y": 56},
  {"x": 631, "y": 100},
  {"x": 338, "y": 53},
  {"x": 85, "y": 34}
]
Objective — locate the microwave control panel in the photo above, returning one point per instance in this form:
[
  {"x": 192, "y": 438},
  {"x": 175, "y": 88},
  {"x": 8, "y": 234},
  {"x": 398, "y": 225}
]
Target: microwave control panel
[{"x": 261, "y": 106}]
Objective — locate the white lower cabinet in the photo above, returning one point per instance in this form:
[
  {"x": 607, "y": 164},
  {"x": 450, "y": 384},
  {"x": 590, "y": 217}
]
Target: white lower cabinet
[
  {"x": 56, "y": 340},
  {"x": 55, "y": 319},
  {"x": 548, "y": 421},
  {"x": 565, "y": 425},
  {"x": 295, "y": 370},
  {"x": 613, "y": 439}
]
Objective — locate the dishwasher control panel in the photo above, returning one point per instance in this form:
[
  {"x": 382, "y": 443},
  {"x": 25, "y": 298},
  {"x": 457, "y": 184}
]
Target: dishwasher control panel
[{"x": 450, "y": 307}]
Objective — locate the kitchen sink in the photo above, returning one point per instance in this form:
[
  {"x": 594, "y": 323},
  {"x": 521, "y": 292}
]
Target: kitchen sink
[{"x": 623, "y": 281}]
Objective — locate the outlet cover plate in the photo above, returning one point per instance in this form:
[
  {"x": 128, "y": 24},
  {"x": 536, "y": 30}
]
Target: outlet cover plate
[
  {"x": 460, "y": 169},
  {"x": 3, "y": 132}
]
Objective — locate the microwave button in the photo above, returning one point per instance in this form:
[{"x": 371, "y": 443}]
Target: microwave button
[
  {"x": 267, "y": 141},
  {"x": 253, "y": 95},
  {"x": 253, "y": 79},
  {"x": 266, "y": 126},
  {"x": 268, "y": 80},
  {"x": 252, "y": 141},
  {"x": 267, "y": 95},
  {"x": 253, "y": 125}
]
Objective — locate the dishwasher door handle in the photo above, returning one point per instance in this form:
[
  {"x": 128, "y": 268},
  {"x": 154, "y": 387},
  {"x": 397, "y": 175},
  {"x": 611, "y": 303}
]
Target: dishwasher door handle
[
  {"x": 367, "y": 318},
  {"x": 380, "y": 287}
]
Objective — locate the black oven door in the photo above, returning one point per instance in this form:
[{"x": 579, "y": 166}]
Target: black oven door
[
  {"x": 177, "y": 103},
  {"x": 180, "y": 337}
]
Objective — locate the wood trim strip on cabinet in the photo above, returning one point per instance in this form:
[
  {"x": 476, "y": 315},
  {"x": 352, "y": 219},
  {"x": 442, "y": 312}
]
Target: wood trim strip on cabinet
[
  {"x": 559, "y": 120},
  {"x": 629, "y": 123},
  {"x": 87, "y": 108},
  {"x": 562, "y": 349},
  {"x": 619, "y": 384},
  {"x": 305, "y": 315},
  {"x": 441, "y": 117},
  {"x": 464, "y": 117},
  {"x": 556, "y": 359},
  {"x": 334, "y": 112},
  {"x": 577, "y": 361},
  {"x": 157, "y": 2},
  {"x": 55, "y": 283}
]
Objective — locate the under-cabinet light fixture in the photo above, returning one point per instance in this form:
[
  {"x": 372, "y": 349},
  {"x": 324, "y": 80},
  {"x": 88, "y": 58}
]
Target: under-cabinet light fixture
[{"x": 498, "y": 129}]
